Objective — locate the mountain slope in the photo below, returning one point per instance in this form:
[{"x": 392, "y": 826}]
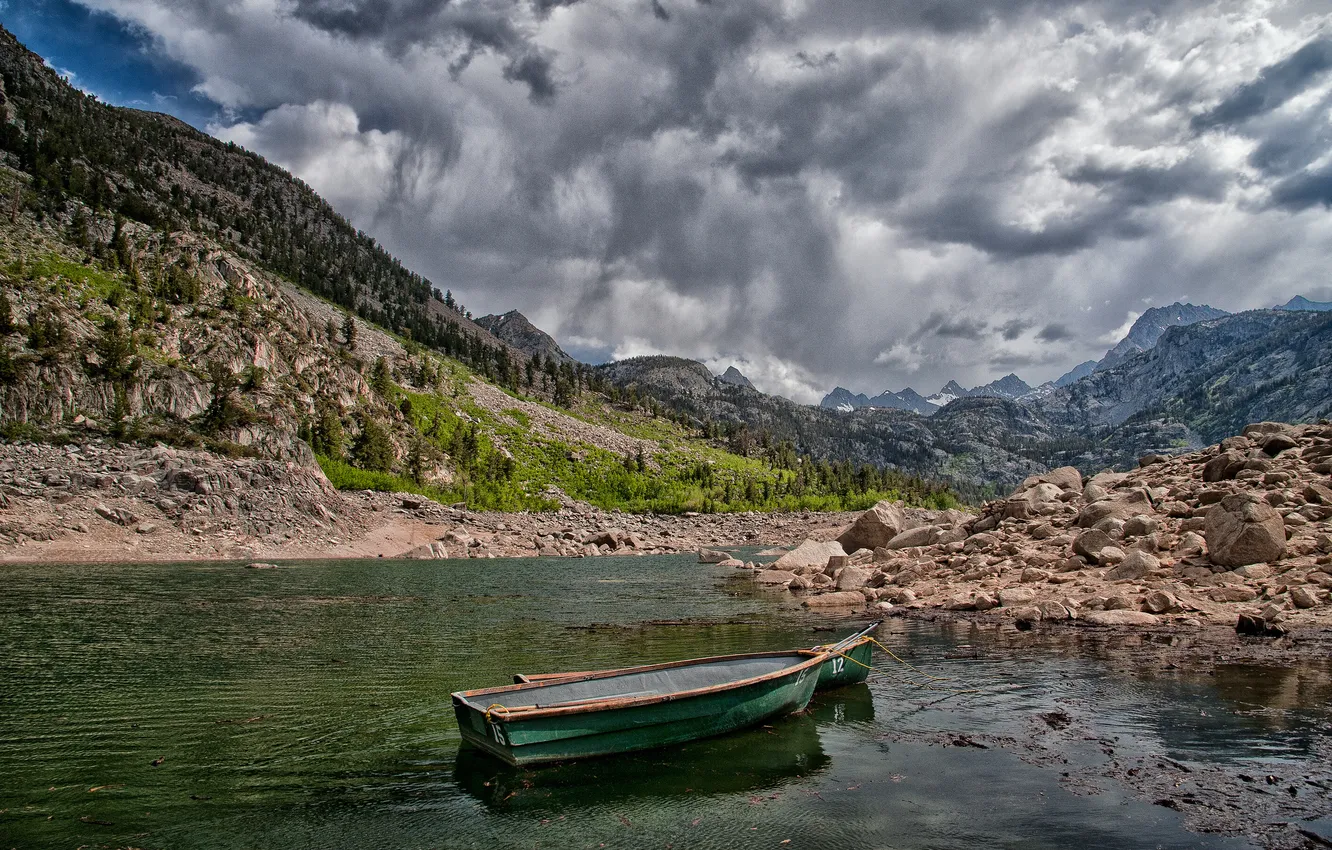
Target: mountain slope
[
  {"x": 1212, "y": 376},
  {"x": 1077, "y": 373},
  {"x": 1150, "y": 325}
]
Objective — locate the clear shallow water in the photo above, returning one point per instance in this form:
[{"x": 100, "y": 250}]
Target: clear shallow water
[{"x": 309, "y": 707}]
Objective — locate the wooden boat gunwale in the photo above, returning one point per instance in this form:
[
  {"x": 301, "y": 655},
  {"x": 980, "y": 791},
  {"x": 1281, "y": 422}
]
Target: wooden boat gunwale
[
  {"x": 552, "y": 678},
  {"x": 529, "y": 712}
]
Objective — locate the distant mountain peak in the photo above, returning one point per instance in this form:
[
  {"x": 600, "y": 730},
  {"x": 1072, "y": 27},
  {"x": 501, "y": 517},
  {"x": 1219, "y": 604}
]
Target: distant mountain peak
[
  {"x": 734, "y": 376},
  {"x": 951, "y": 391},
  {"x": 907, "y": 399},
  {"x": 1010, "y": 386},
  {"x": 1077, "y": 373},
  {"x": 844, "y": 400},
  {"x": 515, "y": 329},
  {"x": 1148, "y": 327},
  {"x": 1303, "y": 305}
]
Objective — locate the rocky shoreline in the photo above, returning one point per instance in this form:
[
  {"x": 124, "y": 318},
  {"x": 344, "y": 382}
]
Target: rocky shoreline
[
  {"x": 96, "y": 501},
  {"x": 1236, "y": 535}
]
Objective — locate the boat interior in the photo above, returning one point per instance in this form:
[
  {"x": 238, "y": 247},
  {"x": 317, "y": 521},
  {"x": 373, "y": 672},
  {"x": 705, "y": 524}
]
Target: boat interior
[{"x": 625, "y": 686}]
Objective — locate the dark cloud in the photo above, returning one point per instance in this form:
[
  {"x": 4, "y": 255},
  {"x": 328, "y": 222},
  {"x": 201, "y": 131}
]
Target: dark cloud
[
  {"x": 1015, "y": 328},
  {"x": 401, "y": 20},
  {"x": 1145, "y": 185},
  {"x": 941, "y": 324},
  {"x": 820, "y": 61},
  {"x": 1055, "y": 333},
  {"x": 659, "y": 11},
  {"x": 463, "y": 30},
  {"x": 975, "y": 220},
  {"x": 534, "y": 70},
  {"x": 1307, "y": 189},
  {"x": 1276, "y": 85}
]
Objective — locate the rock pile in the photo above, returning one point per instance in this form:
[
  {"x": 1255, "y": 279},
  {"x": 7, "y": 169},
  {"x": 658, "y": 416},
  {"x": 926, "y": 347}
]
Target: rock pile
[{"x": 1243, "y": 528}]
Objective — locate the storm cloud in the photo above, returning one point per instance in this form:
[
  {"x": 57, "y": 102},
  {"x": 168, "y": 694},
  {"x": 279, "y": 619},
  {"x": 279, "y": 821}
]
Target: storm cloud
[{"x": 864, "y": 194}]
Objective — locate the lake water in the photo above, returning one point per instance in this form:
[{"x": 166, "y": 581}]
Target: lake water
[{"x": 211, "y": 706}]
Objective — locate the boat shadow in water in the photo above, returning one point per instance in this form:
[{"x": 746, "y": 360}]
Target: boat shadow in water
[
  {"x": 852, "y": 704},
  {"x": 761, "y": 758}
]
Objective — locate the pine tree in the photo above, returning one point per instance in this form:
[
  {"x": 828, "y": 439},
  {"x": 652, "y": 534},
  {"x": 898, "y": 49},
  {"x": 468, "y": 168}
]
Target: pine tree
[
  {"x": 381, "y": 379},
  {"x": 373, "y": 449},
  {"x": 6, "y": 314}
]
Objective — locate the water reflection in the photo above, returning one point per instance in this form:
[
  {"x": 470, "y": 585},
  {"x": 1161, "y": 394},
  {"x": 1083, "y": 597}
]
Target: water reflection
[
  {"x": 1272, "y": 692},
  {"x": 764, "y": 758}
]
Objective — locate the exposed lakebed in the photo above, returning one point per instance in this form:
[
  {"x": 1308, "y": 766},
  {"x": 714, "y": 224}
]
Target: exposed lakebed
[{"x": 206, "y": 705}]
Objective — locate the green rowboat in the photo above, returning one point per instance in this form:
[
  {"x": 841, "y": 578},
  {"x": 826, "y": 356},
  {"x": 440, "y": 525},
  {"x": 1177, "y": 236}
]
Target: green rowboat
[{"x": 636, "y": 709}]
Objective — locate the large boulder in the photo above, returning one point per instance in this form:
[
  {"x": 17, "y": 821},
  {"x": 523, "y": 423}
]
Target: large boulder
[
  {"x": 428, "y": 552},
  {"x": 853, "y": 578},
  {"x": 920, "y": 536},
  {"x": 1224, "y": 466},
  {"x": 1120, "y": 618},
  {"x": 1089, "y": 544},
  {"x": 1278, "y": 443},
  {"x": 1014, "y": 597},
  {"x": 774, "y": 576},
  {"x": 812, "y": 554},
  {"x": 1243, "y": 529},
  {"x": 1131, "y": 504},
  {"x": 842, "y": 599},
  {"x": 1065, "y": 478},
  {"x": 875, "y": 527},
  {"x": 1136, "y": 564},
  {"x": 1318, "y": 493}
]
